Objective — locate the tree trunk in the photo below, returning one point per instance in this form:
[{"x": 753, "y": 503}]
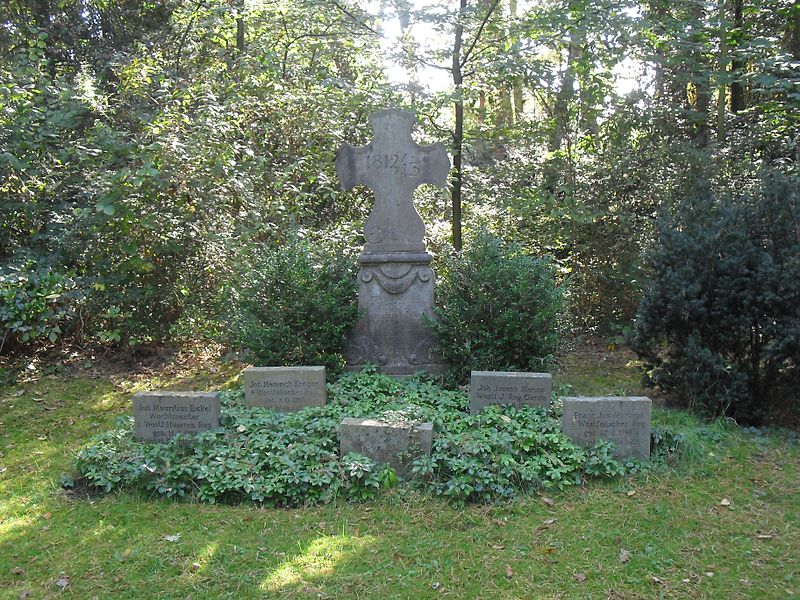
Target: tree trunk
[
  {"x": 565, "y": 95},
  {"x": 702, "y": 83},
  {"x": 723, "y": 68},
  {"x": 240, "y": 26},
  {"x": 519, "y": 100},
  {"x": 458, "y": 133},
  {"x": 737, "y": 65}
]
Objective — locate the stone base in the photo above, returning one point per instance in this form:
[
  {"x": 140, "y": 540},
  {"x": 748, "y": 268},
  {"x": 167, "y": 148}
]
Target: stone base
[
  {"x": 397, "y": 444},
  {"x": 395, "y": 294}
]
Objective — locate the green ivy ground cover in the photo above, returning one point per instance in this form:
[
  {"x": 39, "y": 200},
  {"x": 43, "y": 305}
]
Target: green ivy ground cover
[{"x": 292, "y": 459}]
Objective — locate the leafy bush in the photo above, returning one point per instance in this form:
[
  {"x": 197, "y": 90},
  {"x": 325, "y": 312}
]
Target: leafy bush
[
  {"x": 496, "y": 309},
  {"x": 719, "y": 324},
  {"x": 294, "y": 304},
  {"x": 292, "y": 459},
  {"x": 37, "y": 304}
]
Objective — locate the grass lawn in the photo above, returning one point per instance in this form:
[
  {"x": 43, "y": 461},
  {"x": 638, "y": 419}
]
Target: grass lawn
[{"x": 725, "y": 525}]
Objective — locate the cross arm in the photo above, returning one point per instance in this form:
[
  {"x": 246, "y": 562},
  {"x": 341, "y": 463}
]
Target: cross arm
[
  {"x": 350, "y": 166},
  {"x": 435, "y": 165}
]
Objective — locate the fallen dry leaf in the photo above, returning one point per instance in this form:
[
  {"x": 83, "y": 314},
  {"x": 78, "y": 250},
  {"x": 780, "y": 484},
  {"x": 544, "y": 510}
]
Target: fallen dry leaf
[
  {"x": 548, "y": 501},
  {"x": 509, "y": 571},
  {"x": 17, "y": 571},
  {"x": 658, "y": 580},
  {"x": 47, "y": 516},
  {"x": 631, "y": 492},
  {"x": 580, "y": 577},
  {"x": 172, "y": 538},
  {"x": 624, "y": 556},
  {"x": 546, "y": 524},
  {"x": 195, "y": 567},
  {"x": 763, "y": 536},
  {"x": 498, "y": 546},
  {"x": 724, "y": 502}
]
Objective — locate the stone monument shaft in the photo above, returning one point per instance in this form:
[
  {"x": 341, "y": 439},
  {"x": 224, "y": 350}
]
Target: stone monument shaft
[{"x": 395, "y": 282}]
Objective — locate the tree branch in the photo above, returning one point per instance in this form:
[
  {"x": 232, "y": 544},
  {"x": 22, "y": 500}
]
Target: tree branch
[
  {"x": 355, "y": 19},
  {"x": 477, "y": 37}
]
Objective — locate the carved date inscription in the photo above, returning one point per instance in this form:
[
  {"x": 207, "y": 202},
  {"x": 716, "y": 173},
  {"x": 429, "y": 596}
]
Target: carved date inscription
[{"x": 401, "y": 164}]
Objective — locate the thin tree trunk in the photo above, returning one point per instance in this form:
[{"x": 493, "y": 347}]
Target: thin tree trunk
[
  {"x": 458, "y": 133},
  {"x": 737, "y": 65},
  {"x": 723, "y": 67},
  {"x": 702, "y": 100},
  {"x": 240, "y": 26}
]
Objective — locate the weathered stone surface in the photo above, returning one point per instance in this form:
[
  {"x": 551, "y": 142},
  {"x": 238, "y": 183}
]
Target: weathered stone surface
[
  {"x": 394, "y": 298},
  {"x": 624, "y": 420},
  {"x": 158, "y": 416},
  {"x": 393, "y": 165},
  {"x": 395, "y": 282},
  {"x": 285, "y": 389},
  {"x": 397, "y": 444},
  {"x": 502, "y": 387}
]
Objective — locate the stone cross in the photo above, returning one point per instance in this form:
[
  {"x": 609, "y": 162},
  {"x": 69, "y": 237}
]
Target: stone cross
[{"x": 393, "y": 165}]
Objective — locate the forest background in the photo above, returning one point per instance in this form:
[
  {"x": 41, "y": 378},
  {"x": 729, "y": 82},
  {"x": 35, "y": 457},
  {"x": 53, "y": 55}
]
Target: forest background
[{"x": 147, "y": 147}]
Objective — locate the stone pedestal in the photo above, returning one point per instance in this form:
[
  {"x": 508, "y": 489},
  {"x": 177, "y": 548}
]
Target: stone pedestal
[
  {"x": 395, "y": 283},
  {"x": 395, "y": 294}
]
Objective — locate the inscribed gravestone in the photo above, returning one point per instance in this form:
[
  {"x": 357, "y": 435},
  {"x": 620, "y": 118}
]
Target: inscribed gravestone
[
  {"x": 158, "y": 416},
  {"x": 517, "y": 389},
  {"x": 395, "y": 281},
  {"x": 624, "y": 420},
  {"x": 397, "y": 444},
  {"x": 285, "y": 389}
]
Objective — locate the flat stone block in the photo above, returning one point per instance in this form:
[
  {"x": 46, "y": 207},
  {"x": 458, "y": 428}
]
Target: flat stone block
[
  {"x": 158, "y": 416},
  {"x": 624, "y": 420},
  {"x": 397, "y": 444},
  {"x": 516, "y": 389},
  {"x": 285, "y": 389}
]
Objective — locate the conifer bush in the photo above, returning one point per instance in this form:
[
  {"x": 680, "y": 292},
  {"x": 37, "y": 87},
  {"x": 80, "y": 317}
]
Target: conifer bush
[{"x": 719, "y": 324}]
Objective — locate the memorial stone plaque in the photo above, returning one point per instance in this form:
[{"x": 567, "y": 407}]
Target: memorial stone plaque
[
  {"x": 158, "y": 416},
  {"x": 397, "y": 444},
  {"x": 285, "y": 389},
  {"x": 516, "y": 389},
  {"x": 395, "y": 282},
  {"x": 624, "y": 420}
]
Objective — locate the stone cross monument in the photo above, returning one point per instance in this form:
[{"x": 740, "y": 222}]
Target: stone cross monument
[{"x": 395, "y": 282}]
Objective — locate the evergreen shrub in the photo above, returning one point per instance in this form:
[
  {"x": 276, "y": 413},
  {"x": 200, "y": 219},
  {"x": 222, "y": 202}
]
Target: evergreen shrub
[
  {"x": 497, "y": 309},
  {"x": 719, "y": 323},
  {"x": 294, "y": 303}
]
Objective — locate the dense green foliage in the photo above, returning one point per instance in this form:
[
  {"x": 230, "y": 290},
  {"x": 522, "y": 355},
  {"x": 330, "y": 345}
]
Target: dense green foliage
[
  {"x": 293, "y": 303},
  {"x": 497, "y": 309},
  {"x": 144, "y": 146},
  {"x": 292, "y": 459},
  {"x": 719, "y": 324}
]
